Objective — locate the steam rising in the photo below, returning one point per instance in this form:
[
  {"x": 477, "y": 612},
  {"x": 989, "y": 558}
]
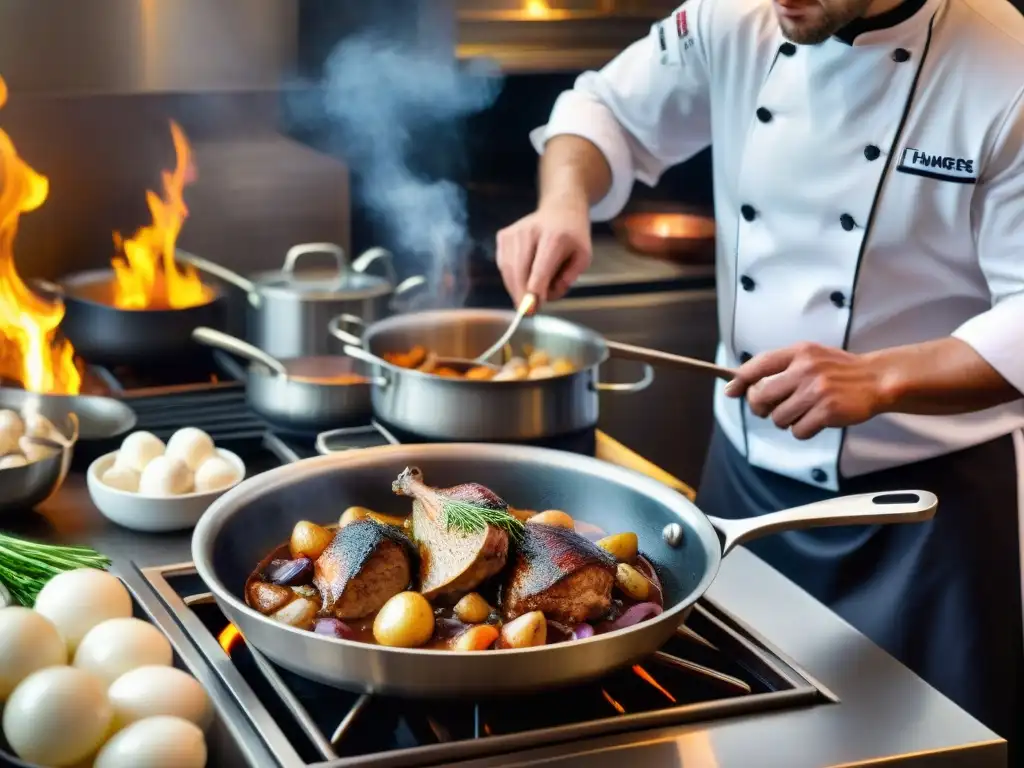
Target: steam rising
[{"x": 379, "y": 95}]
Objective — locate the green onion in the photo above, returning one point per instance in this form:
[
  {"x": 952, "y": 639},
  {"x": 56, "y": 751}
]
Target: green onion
[{"x": 26, "y": 566}]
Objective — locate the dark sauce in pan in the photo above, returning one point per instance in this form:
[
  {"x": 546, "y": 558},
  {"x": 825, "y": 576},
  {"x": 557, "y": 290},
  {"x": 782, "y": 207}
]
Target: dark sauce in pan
[{"x": 447, "y": 627}]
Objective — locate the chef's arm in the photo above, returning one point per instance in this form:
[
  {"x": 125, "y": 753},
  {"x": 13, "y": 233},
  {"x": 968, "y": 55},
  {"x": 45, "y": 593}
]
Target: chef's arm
[
  {"x": 941, "y": 377},
  {"x": 573, "y": 172},
  {"x": 645, "y": 111},
  {"x": 983, "y": 364}
]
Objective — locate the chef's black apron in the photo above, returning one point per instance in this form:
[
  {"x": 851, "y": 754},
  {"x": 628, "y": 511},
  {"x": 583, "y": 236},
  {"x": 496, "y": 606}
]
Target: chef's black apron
[{"x": 943, "y": 596}]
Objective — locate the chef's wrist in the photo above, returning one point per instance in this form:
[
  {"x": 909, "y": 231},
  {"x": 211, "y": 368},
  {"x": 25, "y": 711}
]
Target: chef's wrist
[{"x": 891, "y": 380}]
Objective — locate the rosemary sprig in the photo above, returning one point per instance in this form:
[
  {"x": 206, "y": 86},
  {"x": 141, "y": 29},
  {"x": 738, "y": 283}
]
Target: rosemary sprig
[
  {"x": 26, "y": 566},
  {"x": 466, "y": 517}
]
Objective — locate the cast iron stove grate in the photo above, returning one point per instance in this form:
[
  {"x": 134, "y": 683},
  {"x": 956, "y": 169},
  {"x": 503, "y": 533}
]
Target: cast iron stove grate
[{"x": 711, "y": 669}]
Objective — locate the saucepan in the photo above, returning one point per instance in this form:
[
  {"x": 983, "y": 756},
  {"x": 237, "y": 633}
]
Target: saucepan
[
  {"x": 289, "y": 308},
  {"x": 241, "y": 528},
  {"x": 439, "y": 408},
  {"x": 299, "y": 394}
]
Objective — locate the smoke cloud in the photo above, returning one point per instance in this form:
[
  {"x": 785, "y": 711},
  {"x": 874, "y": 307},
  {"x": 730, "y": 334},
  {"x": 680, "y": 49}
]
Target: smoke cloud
[{"x": 378, "y": 95}]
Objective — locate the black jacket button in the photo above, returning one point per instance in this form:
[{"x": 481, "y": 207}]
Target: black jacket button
[
  {"x": 747, "y": 283},
  {"x": 787, "y": 49},
  {"x": 764, "y": 115},
  {"x": 871, "y": 152},
  {"x": 744, "y": 356},
  {"x": 846, "y": 222},
  {"x": 748, "y": 212},
  {"x": 901, "y": 55},
  {"x": 819, "y": 476},
  {"x": 837, "y": 298}
]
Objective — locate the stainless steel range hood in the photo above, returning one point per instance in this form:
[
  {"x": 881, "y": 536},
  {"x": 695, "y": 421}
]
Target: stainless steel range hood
[
  {"x": 536, "y": 36},
  {"x": 146, "y": 46}
]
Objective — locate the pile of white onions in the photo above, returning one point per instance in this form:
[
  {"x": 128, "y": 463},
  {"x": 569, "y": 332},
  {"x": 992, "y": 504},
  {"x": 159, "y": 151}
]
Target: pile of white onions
[
  {"x": 84, "y": 683},
  {"x": 188, "y": 462}
]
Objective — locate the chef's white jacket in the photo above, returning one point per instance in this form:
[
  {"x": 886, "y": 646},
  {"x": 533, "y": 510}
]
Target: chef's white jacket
[{"x": 868, "y": 194}]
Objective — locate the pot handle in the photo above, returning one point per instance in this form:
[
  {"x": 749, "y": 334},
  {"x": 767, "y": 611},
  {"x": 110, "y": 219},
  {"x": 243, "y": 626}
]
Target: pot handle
[
  {"x": 630, "y": 387},
  {"x": 361, "y": 354},
  {"x": 298, "y": 251},
  {"x": 860, "y": 509},
  {"x": 406, "y": 286},
  {"x": 221, "y": 273},
  {"x": 322, "y": 439},
  {"x": 228, "y": 343},
  {"x": 372, "y": 256},
  {"x": 656, "y": 356},
  {"x": 336, "y": 329}
]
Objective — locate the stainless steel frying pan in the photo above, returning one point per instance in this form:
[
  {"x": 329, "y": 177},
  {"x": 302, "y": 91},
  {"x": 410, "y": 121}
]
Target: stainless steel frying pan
[{"x": 244, "y": 525}]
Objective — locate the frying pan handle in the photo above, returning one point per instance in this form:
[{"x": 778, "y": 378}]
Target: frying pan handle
[
  {"x": 657, "y": 357},
  {"x": 221, "y": 273},
  {"x": 336, "y": 329},
  {"x": 861, "y": 509},
  {"x": 47, "y": 288},
  {"x": 372, "y": 256},
  {"x": 629, "y": 387},
  {"x": 228, "y": 343}
]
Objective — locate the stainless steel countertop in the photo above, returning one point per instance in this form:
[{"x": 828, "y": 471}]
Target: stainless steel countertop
[{"x": 884, "y": 712}]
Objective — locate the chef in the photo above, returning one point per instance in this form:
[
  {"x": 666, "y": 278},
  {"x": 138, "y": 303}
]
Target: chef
[{"x": 869, "y": 196}]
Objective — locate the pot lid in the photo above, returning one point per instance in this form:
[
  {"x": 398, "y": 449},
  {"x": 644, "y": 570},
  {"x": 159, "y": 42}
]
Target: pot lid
[
  {"x": 343, "y": 281},
  {"x": 322, "y": 284}
]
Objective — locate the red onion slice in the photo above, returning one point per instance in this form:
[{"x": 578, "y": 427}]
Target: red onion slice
[
  {"x": 633, "y": 615},
  {"x": 582, "y": 632},
  {"x": 290, "y": 573},
  {"x": 334, "y": 628}
]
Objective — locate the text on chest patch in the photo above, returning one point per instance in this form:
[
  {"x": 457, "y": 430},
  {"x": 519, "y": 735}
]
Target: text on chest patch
[{"x": 961, "y": 170}]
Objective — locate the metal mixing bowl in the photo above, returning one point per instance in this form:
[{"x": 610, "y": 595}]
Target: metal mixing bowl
[{"x": 28, "y": 486}]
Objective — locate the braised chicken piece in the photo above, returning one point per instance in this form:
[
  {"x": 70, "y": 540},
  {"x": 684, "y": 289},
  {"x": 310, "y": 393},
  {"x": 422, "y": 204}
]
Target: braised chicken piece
[
  {"x": 562, "y": 574},
  {"x": 460, "y": 544},
  {"x": 366, "y": 564}
]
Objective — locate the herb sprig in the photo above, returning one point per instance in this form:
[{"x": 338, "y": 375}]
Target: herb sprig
[
  {"x": 26, "y": 566},
  {"x": 466, "y": 517}
]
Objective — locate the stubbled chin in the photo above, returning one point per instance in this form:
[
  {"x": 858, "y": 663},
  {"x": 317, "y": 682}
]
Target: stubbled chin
[{"x": 806, "y": 31}]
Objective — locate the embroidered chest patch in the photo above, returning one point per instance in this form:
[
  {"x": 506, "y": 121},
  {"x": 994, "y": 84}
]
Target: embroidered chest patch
[{"x": 919, "y": 162}]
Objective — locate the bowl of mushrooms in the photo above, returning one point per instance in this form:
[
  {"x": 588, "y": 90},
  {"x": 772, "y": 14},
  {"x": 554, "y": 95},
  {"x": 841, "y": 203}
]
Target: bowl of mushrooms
[
  {"x": 151, "y": 486},
  {"x": 35, "y": 454}
]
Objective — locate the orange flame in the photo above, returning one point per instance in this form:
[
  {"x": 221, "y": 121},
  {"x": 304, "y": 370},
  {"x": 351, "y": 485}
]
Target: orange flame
[
  {"x": 147, "y": 274},
  {"x": 229, "y": 637},
  {"x": 32, "y": 353}
]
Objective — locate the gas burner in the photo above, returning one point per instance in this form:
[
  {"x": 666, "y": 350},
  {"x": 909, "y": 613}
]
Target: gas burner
[
  {"x": 711, "y": 669},
  {"x": 199, "y": 373}
]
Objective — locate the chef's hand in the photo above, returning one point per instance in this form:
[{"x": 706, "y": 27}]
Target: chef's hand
[
  {"x": 545, "y": 252},
  {"x": 808, "y": 387}
]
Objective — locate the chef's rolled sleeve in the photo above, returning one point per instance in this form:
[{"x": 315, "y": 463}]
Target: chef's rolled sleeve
[
  {"x": 647, "y": 110},
  {"x": 998, "y": 334}
]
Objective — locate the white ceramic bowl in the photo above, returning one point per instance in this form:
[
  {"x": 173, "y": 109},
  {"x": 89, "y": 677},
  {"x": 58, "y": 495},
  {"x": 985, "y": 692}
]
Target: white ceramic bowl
[{"x": 153, "y": 514}]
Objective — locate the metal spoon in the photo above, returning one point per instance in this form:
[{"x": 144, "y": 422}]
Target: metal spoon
[{"x": 525, "y": 307}]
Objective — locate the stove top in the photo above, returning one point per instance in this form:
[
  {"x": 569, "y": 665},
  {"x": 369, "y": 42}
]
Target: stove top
[
  {"x": 716, "y": 694},
  {"x": 711, "y": 669}
]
